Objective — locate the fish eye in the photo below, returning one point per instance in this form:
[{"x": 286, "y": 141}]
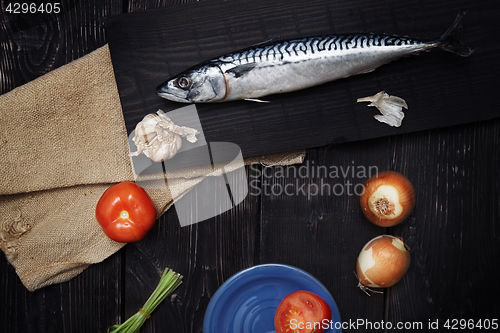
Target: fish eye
[{"x": 183, "y": 82}]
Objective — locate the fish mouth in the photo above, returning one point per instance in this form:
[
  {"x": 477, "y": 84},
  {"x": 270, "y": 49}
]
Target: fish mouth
[{"x": 163, "y": 91}]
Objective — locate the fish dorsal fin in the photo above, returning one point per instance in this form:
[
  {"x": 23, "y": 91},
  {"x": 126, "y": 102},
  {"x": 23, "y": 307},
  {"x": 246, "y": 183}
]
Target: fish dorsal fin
[{"x": 241, "y": 70}]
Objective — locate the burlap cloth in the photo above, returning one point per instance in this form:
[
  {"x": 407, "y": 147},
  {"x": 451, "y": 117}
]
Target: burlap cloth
[{"x": 63, "y": 143}]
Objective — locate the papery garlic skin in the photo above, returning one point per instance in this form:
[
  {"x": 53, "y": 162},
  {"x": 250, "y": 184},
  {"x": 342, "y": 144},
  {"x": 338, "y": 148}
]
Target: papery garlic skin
[
  {"x": 391, "y": 108},
  {"x": 159, "y": 138}
]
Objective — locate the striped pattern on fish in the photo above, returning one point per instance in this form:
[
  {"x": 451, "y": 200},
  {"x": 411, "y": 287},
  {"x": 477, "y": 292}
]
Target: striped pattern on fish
[
  {"x": 291, "y": 65},
  {"x": 293, "y": 50}
]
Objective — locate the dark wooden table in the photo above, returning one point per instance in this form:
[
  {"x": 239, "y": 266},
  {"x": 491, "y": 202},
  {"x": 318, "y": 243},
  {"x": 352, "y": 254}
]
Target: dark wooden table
[{"x": 453, "y": 233}]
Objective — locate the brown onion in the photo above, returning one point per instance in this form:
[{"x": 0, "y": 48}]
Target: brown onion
[
  {"x": 382, "y": 262},
  {"x": 388, "y": 198}
]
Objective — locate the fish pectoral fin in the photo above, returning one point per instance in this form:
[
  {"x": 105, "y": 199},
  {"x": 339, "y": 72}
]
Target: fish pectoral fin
[
  {"x": 368, "y": 70},
  {"x": 256, "y": 100},
  {"x": 242, "y": 69}
]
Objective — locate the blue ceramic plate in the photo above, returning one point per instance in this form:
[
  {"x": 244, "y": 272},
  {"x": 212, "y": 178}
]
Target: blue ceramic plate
[{"x": 247, "y": 302}]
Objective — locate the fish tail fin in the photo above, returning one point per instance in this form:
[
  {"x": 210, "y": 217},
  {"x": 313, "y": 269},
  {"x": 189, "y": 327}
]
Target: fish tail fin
[{"x": 449, "y": 41}]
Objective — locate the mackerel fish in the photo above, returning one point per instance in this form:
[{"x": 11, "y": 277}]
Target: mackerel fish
[{"x": 291, "y": 65}]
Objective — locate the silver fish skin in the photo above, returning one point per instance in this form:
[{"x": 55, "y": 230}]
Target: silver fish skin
[{"x": 296, "y": 64}]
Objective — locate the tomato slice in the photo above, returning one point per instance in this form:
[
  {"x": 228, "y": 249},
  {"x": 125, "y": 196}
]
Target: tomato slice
[
  {"x": 302, "y": 312},
  {"x": 126, "y": 212}
]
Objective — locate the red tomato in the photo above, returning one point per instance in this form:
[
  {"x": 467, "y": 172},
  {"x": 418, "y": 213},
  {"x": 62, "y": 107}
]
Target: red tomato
[
  {"x": 125, "y": 212},
  {"x": 302, "y": 312}
]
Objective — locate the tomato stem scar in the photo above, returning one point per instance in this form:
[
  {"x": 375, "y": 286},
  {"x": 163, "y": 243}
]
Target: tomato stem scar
[{"x": 124, "y": 214}]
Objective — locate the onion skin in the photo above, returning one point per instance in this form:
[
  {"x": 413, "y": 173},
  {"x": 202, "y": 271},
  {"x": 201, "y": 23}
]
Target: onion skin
[
  {"x": 378, "y": 202},
  {"x": 382, "y": 262}
]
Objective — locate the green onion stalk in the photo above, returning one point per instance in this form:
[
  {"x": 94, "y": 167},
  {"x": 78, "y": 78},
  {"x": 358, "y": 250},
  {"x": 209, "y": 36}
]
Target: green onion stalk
[{"x": 169, "y": 281}]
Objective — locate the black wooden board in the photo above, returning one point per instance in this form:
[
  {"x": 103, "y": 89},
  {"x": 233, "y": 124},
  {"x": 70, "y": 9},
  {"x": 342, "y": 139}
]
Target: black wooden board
[{"x": 441, "y": 89}]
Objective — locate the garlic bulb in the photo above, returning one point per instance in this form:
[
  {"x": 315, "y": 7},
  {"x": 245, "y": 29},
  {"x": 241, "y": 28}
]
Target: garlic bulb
[
  {"x": 391, "y": 108},
  {"x": 159, "y": 138}
]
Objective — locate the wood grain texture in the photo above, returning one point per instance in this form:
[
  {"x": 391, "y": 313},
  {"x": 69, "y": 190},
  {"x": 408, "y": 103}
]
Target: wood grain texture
[
  {"x": 454, "y": 231},
  {"x": 148, "y": 47},
  {"x": 34, "y": 44},
  {"x": 90, "y": 302},
  {"x": 317, "y": 225}
]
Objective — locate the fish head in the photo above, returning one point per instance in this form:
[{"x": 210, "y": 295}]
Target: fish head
[{"x": 201, "y": 84}]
